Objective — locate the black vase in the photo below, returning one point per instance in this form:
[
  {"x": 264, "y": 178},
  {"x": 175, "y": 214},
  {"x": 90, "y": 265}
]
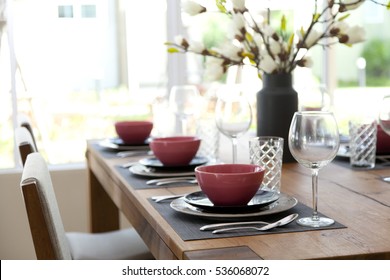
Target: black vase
[{"x": 276, "y": 104}]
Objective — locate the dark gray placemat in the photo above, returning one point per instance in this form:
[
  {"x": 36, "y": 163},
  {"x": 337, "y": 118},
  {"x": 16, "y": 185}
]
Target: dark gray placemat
[
  {"x": 187, "y": 226},
  {"x": 139, "y": 182},
  {"x": 106, "y": 153}
]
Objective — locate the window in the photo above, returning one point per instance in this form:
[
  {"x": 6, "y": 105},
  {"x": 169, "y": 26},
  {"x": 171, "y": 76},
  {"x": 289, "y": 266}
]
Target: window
[
  {"x": 65, "y": 11},
  {"x": 88, "y": 11}
]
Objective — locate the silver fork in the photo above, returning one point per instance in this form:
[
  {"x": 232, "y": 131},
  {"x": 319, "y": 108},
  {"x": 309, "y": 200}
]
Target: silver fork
[
  {"x": 193, "y": 181},
  {"x": 155, "y": 181},
  {"x": 166, "y": 197}
]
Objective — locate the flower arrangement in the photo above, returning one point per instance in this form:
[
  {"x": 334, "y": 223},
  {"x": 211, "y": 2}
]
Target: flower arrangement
[{"x": 272, "y": 50}]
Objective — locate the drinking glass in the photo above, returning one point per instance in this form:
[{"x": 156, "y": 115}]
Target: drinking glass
[
  {"x": 184, "y": 101},
  {"x": 233, "y": 114},
  {"x": 384, "y": 120},
  {"x": 314, "y": 141}
]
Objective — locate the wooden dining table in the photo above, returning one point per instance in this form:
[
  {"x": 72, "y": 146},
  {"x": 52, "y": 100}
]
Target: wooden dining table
[{"x": 358, "y": 200}]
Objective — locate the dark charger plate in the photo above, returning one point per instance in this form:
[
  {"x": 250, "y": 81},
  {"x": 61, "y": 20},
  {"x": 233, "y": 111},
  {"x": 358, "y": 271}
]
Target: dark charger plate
[
  {"x": 155, "y": 163},
  {"x": 260, "y": 200}
]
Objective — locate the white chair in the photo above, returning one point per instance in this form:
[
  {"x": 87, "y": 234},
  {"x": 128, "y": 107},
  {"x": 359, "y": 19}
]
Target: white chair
[
  {"x": 24, "y": 142},
  {"x": 47, "y": 230},
  {"x": 24, "y": 121}
]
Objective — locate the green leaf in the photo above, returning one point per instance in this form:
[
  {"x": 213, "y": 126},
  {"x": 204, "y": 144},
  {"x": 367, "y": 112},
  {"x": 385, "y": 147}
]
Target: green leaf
[
  {"x": 344, "y": 17},
  {"x": 173, "y": 50},
  {"x": 248, "y": 37},
  {"x": 316, "y": 17},
  {"x": 221, "y": 5},
  {"x": 290, "y": 42},
  {"x": 283, "y": 23},
  {"x": 388, "y": 6},
  {"x": 302, "y": 31}
]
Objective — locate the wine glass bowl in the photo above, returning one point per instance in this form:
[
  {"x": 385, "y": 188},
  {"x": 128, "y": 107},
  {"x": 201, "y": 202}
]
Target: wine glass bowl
[
  {"x": 384, "y": 122},
  {"x": 184, "y": 101},
  {"x": 384, "y": 114},
  {"x": 314, "y": 141},
  {"x": 233, "y": 114}
]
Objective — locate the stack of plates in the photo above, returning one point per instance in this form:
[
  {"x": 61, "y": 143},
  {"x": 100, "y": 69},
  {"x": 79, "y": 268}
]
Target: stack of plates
[
  {"x": 263, "y": 203},
  {"x": 117, "y": 144},
  {"x": 152, "y": 167}
]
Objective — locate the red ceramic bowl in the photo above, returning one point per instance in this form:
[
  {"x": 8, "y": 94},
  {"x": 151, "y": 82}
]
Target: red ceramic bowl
[
  {"x": 133, "y": 132},
  {"x": 175, "y": 151},
  {"x": 382, "y": 142},
  {"x": 230, "y": 184}
]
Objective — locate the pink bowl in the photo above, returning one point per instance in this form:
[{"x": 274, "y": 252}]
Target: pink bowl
[
  {"x": 175, "y": 151},
  {"x": 382, "y": 142},
  {"x": 133, "y": 132},
  {"x": 230, "y": 184}
]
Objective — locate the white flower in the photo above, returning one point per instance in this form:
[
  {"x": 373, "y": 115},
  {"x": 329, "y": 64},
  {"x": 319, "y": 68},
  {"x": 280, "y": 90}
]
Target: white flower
[
  {"x": 239, "y": 5},
  {"x": 192, "y": 8},
  {"x": 275, "y": 46},
  {"x": 351, "y": 4},
  {"x": 238, "y": 24},
  {"x": 354, "y": 34},
  {"x": 231, "y": 51},
  {"x": 311, "y": 39},
  {"x": 179, "y": 39},
  {"x": 213, "y": 68},
  {"x": 268, "y": 64},
  {"x": 196, "y": 47},
  {"x": 340, "y": 27},
  {"x": 305, "y": 62}
]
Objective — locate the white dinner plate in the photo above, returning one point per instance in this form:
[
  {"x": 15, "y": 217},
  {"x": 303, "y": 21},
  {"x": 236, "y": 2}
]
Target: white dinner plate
[
  {"x": 118, "y": 145},
  {"x": 284, "y": 203},
  {"x": 141, "y": 170}
]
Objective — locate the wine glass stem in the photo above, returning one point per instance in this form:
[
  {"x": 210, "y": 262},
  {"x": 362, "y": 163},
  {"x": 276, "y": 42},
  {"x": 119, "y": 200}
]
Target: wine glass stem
[
  {"x": 183, "y": 126},
  {"x": 314, "y": 180},
  {"x": 234, "y": 146}
]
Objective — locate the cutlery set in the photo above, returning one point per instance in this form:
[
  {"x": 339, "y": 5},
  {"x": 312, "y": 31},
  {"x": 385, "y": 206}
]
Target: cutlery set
[{"x": 233, "y": 226}]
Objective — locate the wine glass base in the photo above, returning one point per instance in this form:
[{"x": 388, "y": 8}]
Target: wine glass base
[
  {"x": 320, "y": 222},
  {"x": 386, "y": 179}
]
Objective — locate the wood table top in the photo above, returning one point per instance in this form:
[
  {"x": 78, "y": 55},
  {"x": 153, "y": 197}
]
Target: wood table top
[{"x": 357, "y": 199}]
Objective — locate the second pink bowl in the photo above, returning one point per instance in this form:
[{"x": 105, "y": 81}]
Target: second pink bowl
[
  {"x": 133, "y": 132},
  {"x": 175, "y": 151},
  {"x": 230, "y": 184}
]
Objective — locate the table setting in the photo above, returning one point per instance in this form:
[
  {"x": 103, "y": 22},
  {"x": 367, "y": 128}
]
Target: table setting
[{"x": 228, "y": 193}]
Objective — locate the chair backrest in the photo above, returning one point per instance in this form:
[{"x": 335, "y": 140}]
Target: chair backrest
[
  {"x": 25, "y": 143},
  {"x": 24, "y": 121},
  {"x": 43, "y": 214}
]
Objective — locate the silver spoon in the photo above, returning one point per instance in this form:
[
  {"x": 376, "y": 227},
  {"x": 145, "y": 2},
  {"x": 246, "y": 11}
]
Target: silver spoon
[{"x": 281, "y": 222}]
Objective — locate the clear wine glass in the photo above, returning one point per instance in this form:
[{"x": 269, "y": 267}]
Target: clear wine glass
[
  {"x": 184, "y": 101},
  {"x": 384, "y": 120},
  {"x": 314, "y": 141},
  {"x": 233, "y": 114}
]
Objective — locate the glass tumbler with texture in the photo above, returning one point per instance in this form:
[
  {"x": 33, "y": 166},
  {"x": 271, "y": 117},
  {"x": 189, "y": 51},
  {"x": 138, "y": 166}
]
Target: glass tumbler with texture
[
  {"x": 314, "y": 141},
  {"x": 268, "y": 152},
  {"x": 362, "y": 142}
]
